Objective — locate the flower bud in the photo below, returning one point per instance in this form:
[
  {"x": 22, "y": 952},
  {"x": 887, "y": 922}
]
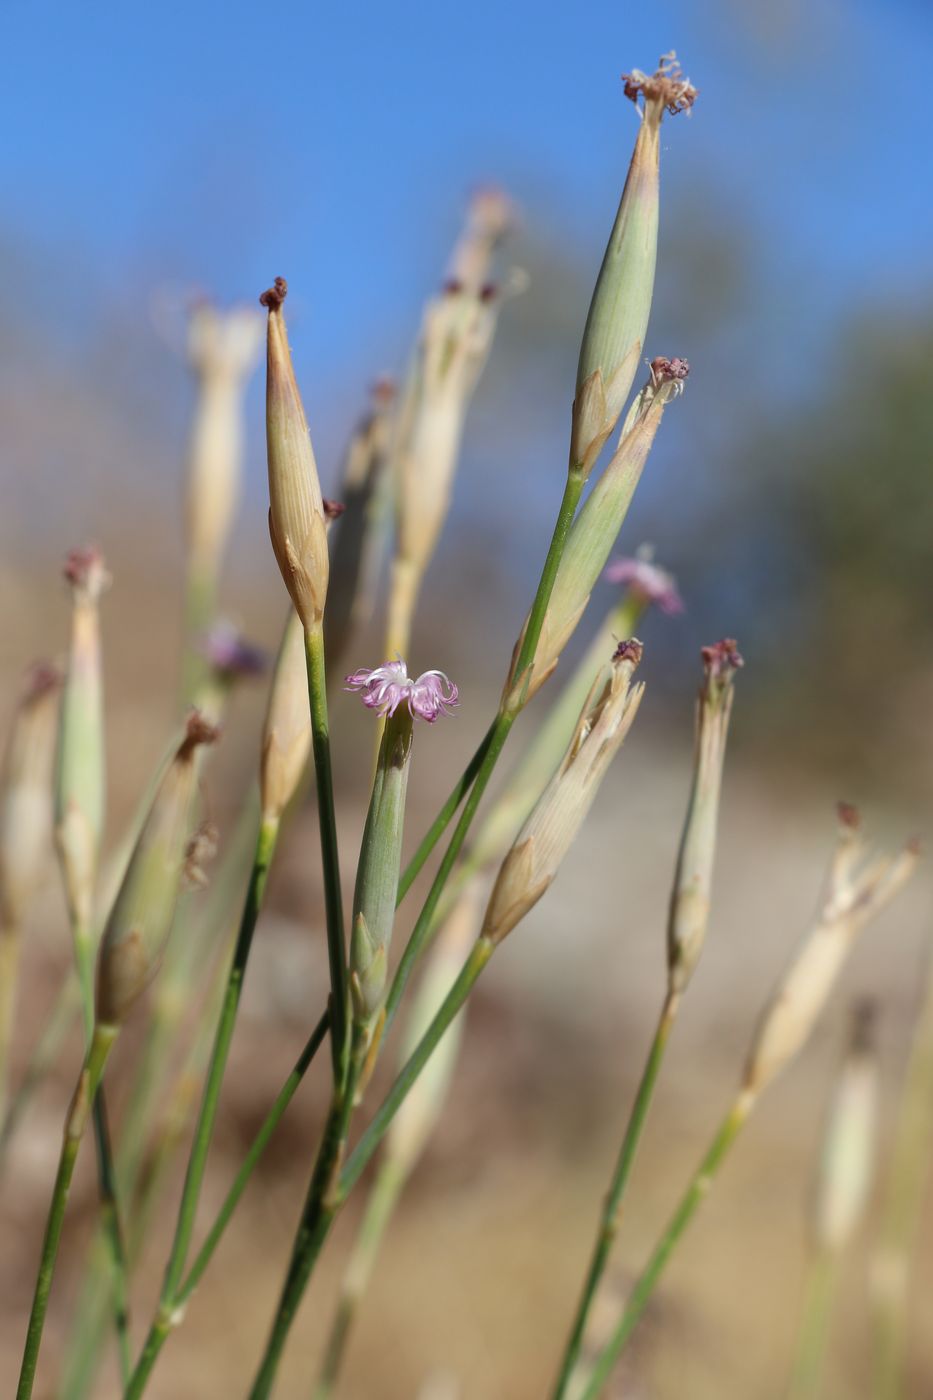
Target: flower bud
[
  {"x": 223, "y": 348},
  {"x": 141, "y": 918},
  {"x": 286, "y": 734},
  {"x": 80, "y": 784},
  {"x": 614, "y": 336},
  {"x": 846, "y": 1167},
  {"x": 378, "y": 870},
  {"x": 296, "y": 510},
  {"x": 552, "y": 827},
  {"x": 856, "y": 892},
  {"x": 599, "y": 521},
  {"x": 693, "y": 877},
  {"x": 26, "y": 794}
]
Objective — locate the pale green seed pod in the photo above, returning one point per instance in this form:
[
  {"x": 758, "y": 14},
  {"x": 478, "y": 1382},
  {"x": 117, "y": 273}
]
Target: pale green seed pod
[
  {"x": 378, "y": 870},
  {"x": 141, "y": 918},
  {"x": 856, "y": 893},
  {"x": 846, "y": 1168},
  {"x": 693, "y": 876},
  {"x": 223, "y": 350},
  {"x": 286, "y": 734},
  {"x": 296, "y": 511},
  {"x": 598, "y": 523},
  {"x": 26, "y": 794},
  {"x": 80, "y": 779},
  {"x": 545, "y": 838},
  {"x": 614, "y": 336}
]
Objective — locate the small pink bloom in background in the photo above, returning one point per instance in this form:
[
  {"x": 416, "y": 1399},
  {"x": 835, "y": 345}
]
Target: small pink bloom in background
[
  {"x": 647, "y": 579},
  {"x": 229, "y": 654},
  {"x": 386, "y": 687}
]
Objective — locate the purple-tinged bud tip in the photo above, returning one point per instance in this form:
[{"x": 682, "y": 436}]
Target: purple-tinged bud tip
[
  {"x": 273, "y": 298},
  {"x": 452, "y": 287},
  {"x": 333, "y": 510},
  {"x": 41, "y": 678},
  {"x": 229, "y": 654},
  {"x": 630, "y": 650},
  {"x": 848, "y": 815},
  {"x": 86, "y": 572},
  {"x": 721, "y": 658},
  {"x": 198, "y": 730}
]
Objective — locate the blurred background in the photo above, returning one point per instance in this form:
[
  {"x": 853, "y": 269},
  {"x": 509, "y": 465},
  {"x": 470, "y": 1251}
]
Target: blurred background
[{"x": 200, "y": 150}]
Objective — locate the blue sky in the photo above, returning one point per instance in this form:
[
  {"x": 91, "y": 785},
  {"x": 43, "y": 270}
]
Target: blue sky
[{"x": 225, "y": 143}]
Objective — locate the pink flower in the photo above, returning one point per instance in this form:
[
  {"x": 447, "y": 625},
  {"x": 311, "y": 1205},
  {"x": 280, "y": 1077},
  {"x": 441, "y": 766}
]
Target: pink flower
[
  {"x": 652, "y": 583},
  {"x": 386, "y": 687}
]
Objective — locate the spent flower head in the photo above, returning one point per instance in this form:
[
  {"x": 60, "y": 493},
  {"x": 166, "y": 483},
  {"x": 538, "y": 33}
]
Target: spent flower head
[{"x": 386, "y": 687}]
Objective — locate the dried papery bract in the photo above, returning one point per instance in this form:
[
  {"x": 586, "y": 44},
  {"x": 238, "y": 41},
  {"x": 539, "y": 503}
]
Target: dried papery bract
[
  {"x": 456, "y": 337},
  {"x": 223, "y": 351},
  {"x": 690, "y": 898},
  {"x": 491, "y": 216},
  {"x": 141, "y": 919},
  {"x": 552, "y": 827},
  {"x": 358, "y": 542},
  {"x": 80, "y": 783},
  {"x": 857, "y": 890},
  {"x": 614, "y": 337},
  {"x": 25, "y": 831},
  {"x": 286, "y": 735},
  {"x": 26, "y": 793},
  {"x": 598, "y": 523},
  {"x": 296, "y": 509},
  {"x": 849, "y": 1144}
]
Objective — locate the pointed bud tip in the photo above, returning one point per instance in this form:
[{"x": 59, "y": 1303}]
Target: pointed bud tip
[
  {"x": 722, "y": 658},
  {"x": 848, "y": 815},
  {"x": 333, "y": 510},
  {"x": 275, "y": 295},
  {"x": 198, "y": 730},
  {"x": 630, "y": 650},
  {"x": 667, "y": 90}
]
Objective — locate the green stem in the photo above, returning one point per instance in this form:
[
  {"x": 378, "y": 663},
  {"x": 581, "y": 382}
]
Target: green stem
[
  {"x": 163, "y": 1323},
  {"x": 76, "y": 1122},
  {"x": 333, "y": 901},
  {"x": 9, "y": 963},
  {"x": 807, "y": 1379},
  {"x": 609, "y": 1220},
  {"x": 381, "y": 1203},
  {"x": 697, "y": 1189}
]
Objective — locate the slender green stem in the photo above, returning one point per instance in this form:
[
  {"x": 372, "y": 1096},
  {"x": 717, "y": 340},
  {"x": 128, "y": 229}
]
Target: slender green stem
[
  {"x": 319, "y": 1212},
  {"x": 333, "y": 900},
  {"x": 445, "y": 815},
  {"x": 807, "y": 1378},
  {"x": 697, "y": 1189},
  {"x": 76, "y": 1122},
  {"x": 609, "y": 1220},
  {"x": 381, "y": 1203},
  {"x": 197, "y": 1161},
  {"x": 110, "y": 1223},
  {"x": 163, "y": 1322},
  {"x": 9, "y": 964}
]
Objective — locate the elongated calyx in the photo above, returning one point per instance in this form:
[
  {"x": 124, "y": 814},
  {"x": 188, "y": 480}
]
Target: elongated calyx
[
  {"x": 26, "y": 793},
  {"x": 858, "y": 888},
  {"x": 80, "y": 779},
  {"x": 597, "y": 525},
  {"x": 296, "y": 510},
  {"x": 141, "y": 918},
  {"x": 378, "y": 870},
  {"x": 614, "y": 336},
  {"x": 847, "y": 1160},
  {"x": 691, "y": 894},
  {"x": 286, "y": 734},
  {"x": 531, "y": 865}
]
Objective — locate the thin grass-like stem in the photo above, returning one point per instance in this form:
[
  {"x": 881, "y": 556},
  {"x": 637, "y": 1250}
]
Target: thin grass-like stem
[
  {"x": 76, "y": 1122},
  {"x": 330, "y": 860},
  {"x": 609, "y": 1219},
  {"x": 163, "y": 1323},
  {"x": 696, "y": 1191},
  {"x": 61, "y": 1019}
]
